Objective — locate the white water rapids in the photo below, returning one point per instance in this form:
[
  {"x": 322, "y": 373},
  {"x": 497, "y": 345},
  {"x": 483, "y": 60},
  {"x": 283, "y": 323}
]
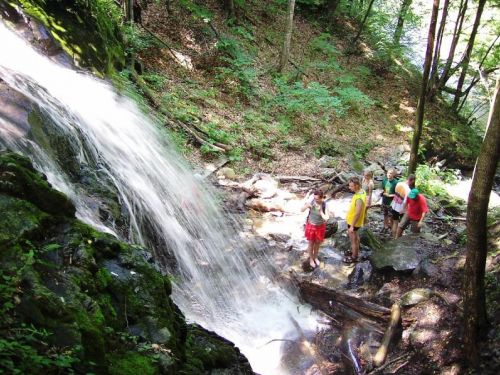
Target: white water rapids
[{"x": 220, "y": 283}]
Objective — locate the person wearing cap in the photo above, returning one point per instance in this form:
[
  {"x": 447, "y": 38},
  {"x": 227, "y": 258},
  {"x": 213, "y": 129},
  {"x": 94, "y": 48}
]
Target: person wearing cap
[
  {"x": 416, "y": 209},
  {"x": 399, "y": 201}
]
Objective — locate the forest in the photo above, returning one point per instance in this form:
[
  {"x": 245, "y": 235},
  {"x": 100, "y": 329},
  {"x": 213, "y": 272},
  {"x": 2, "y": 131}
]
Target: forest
[{"x": 162, "y": 163}]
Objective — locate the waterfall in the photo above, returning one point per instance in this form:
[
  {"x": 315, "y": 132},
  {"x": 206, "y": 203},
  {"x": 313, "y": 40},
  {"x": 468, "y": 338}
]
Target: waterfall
[{"x": 219, "y": 281}]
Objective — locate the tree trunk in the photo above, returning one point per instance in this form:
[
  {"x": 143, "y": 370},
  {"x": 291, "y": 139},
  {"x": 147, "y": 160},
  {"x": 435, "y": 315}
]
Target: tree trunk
[
  {"x": 363, "y": 22},
  {"x": 288, "y": 36},
  {"x": 331, "y": 7},
  {"x": 446, "y": 73},
  {"x": 468, "y": 51},
  {"x": 129, "y": 6},
  {"x": 230, "y": 8},
  {"x": 423, "y": 90},
  {"x": 437, "y": 50},
  {"x": 477, "y": 208},
  {"x": 405, "y": 6}
]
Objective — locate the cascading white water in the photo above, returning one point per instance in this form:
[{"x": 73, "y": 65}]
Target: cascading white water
[{"x": 221, "y": 284}]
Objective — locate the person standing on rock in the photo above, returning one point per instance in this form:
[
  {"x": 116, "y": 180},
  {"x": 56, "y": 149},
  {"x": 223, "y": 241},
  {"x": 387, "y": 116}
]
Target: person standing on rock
[
  {"x": 316, "y": 225},
  {"x": 388, "y": 189},
  {"x": 355, "y": 219},
  {"x": 398, "y": 202},
  {"x": 416, "y": 209},
  {"x": 368, "y": 186}
]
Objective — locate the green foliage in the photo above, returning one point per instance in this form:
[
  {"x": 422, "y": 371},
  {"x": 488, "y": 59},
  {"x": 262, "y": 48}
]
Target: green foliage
[
  {"x": 324, "y": 45},
  {"x": 157, "y": 81},
  {"x": 239, "y": 73},
  {"x": 354, "y": 98},
  {"x": 431, "y": 180},
  {"x": 137, "y": 39},
  {"x": 313, "y": 98},
  {"x": 362, "y": 149},
  {"x": 19, "y": 353},
  {"x": 198, "y": 11},
  {"x": 328, "y": 146}
]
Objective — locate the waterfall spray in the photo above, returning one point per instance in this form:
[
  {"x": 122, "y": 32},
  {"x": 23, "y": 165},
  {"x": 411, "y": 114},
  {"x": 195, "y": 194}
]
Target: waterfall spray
[{"x": 219, "y": 281}]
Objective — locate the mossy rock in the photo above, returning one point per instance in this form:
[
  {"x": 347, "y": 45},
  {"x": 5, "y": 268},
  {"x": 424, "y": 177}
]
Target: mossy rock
[
  {"x": 207, "y": 351},
  {"x": 69, "y": 290},
  {"x": 131, "y": 363},
  {"x": 87, "y": 30},
  {"x": 19, "y": 179}
]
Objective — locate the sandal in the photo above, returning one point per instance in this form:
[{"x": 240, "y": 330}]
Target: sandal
[
  {"x": 317, "y": 262},
  {"x": 350, "y": 260},
  {"x": 312, "y": 264},
  {"x": 347, "y": 253}
]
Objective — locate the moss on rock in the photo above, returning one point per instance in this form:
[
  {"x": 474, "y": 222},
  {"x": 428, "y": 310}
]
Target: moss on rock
[
  {"x": 76, "y": 300},
  {"x": 88, "y": 30}
]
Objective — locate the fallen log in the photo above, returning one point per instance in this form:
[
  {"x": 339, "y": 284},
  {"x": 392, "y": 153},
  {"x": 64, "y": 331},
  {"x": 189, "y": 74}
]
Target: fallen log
[
  {"x": 394, "y": 322},
  {"x": 297, "y": 178},
  {"x": 314, "y": 293}
]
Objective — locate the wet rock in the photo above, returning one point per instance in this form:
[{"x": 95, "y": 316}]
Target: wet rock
[
  {"x": 389, "y": 293},
  {"x": 361, "y": 274},
  {"x": 426, "y": 269},
  {"x": 399, "y": 254},
  {"x": 280, "y": 237}
]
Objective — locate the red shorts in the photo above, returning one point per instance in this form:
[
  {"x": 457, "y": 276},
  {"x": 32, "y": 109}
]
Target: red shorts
[{"x": 315, "y": 232}]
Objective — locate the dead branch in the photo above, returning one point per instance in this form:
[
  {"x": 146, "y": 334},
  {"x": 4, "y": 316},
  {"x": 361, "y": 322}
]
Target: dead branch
[
  {"x": 323, "y": 297},
  {"x": 162, "y": 42},
  {"x": 312, "y": 350},
  {"x": 395, "y": 320},
  {"x": 380, "y": 369}
]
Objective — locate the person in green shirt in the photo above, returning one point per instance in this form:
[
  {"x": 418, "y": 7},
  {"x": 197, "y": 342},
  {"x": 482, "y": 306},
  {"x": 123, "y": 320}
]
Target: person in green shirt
[{"x": 388, "y": 190}]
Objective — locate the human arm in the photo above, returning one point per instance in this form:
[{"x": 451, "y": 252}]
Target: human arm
[
  {"x": 369, "y": 194},
  {"x": 425, "y": 210},
  {"x": 421, "y": 221}
]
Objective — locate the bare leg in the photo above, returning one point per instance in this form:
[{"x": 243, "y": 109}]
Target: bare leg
[
  {"x": 316, "y": 252},
  {"x": 395, "y": 228},
  {"x": 399, "y": 232},
  {"x": 353, "y": 236},
  {"x": 355, "y": 252},
  {"x": 310, "y": 249}
]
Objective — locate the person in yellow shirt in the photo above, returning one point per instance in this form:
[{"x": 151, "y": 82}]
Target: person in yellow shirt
[{"x": 355, "y": 218}]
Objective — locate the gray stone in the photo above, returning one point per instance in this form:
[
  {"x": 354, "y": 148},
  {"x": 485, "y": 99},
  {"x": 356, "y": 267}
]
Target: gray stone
[
  {"x": 415, "y": 296},
  {"x": 326, "y": 161},
  {"x": 426, "y": 269},
  {"x": 398, "y": 254},
  {"x": 328, "y": 172},
  {"x": 227, "y": 172},
  {"x": 361, "y": 274}
]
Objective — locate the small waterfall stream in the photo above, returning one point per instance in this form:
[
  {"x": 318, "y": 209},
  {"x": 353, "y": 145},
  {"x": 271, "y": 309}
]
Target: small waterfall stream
[{"x": 219, "y": 282}]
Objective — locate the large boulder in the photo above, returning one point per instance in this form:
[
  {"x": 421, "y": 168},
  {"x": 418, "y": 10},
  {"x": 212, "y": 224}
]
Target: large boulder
[{"x": 400, "y": 254}]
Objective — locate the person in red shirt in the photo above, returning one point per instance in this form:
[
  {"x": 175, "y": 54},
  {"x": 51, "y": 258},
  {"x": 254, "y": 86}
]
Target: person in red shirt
[{"x": 416, "y": 209}]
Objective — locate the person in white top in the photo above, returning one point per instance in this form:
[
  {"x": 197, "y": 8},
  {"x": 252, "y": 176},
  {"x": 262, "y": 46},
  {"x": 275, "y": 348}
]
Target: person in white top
[{"x": 402, "y": 190}]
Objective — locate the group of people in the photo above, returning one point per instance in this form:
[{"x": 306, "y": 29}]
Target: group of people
[{"x": 402, "y": 206}]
